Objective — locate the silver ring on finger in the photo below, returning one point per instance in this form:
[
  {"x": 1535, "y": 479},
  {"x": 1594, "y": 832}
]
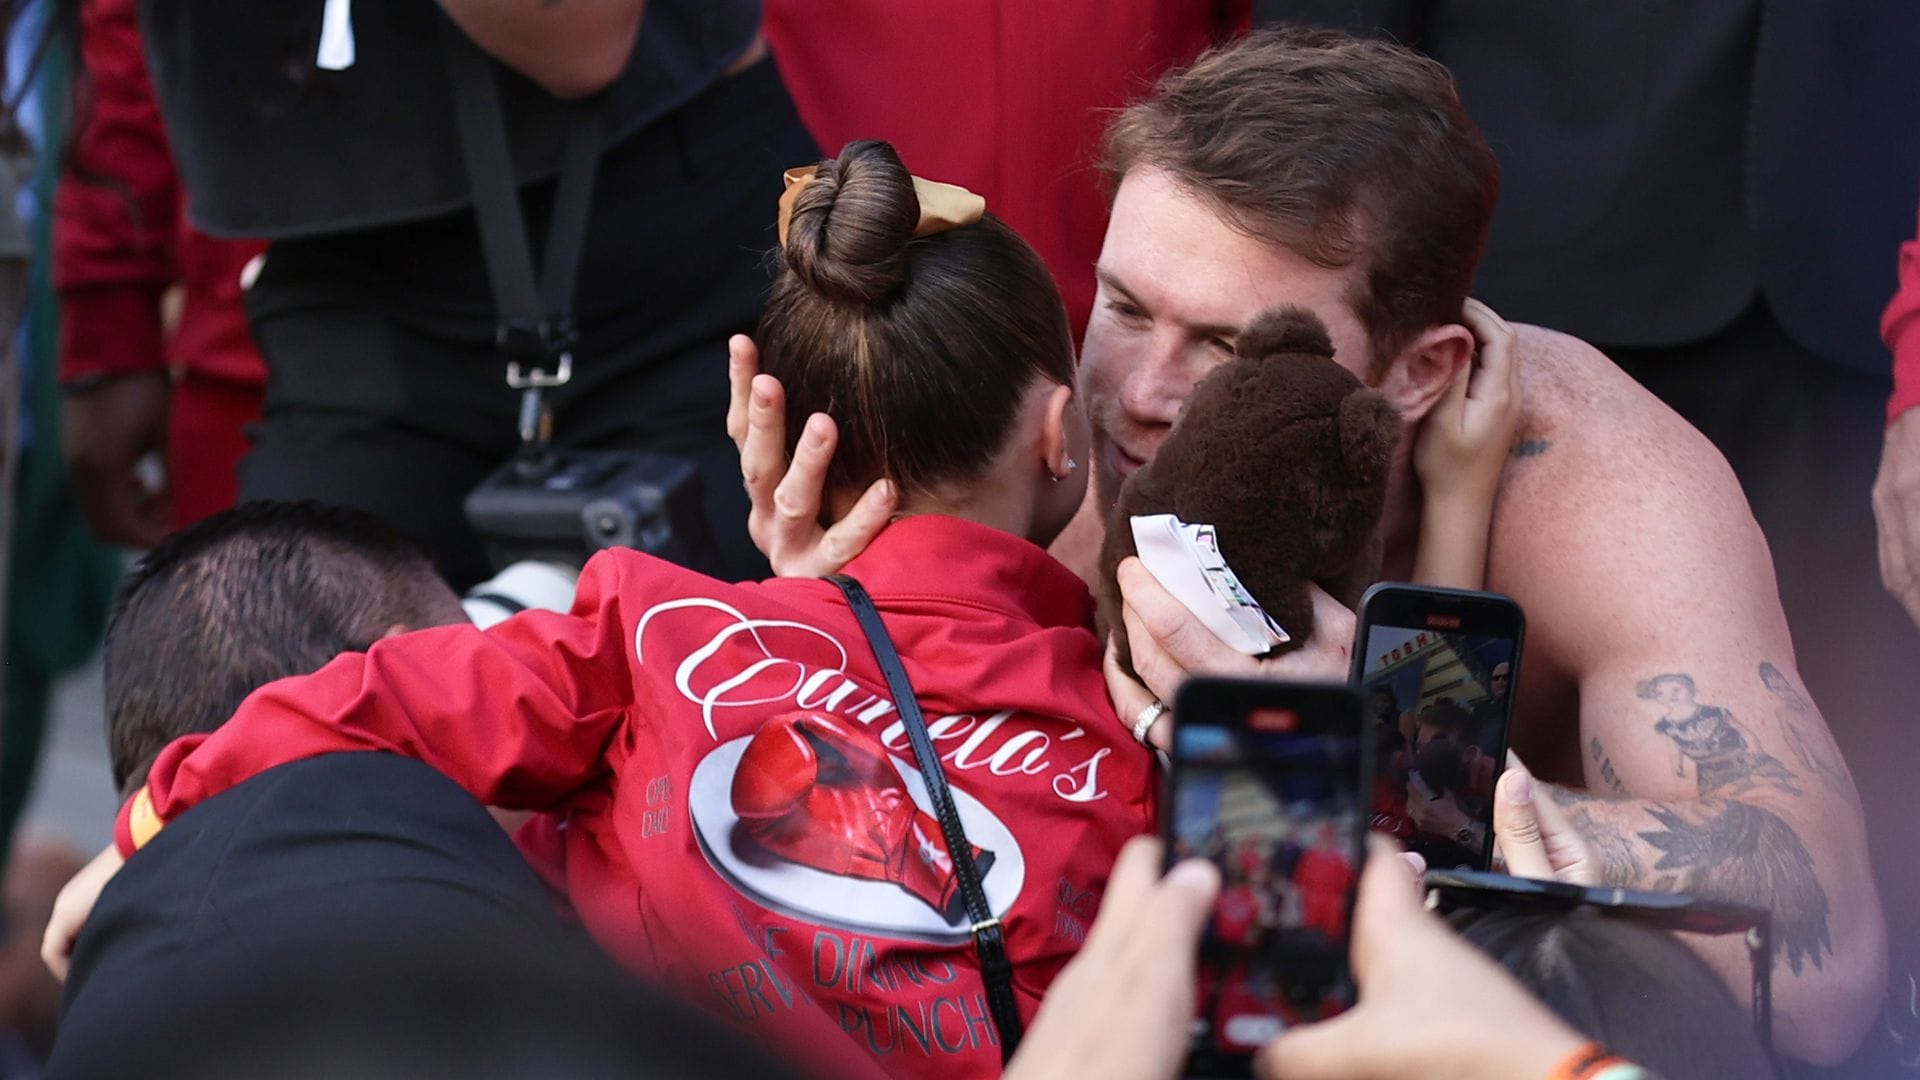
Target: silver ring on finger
[{"x": 1144, "y": 722}]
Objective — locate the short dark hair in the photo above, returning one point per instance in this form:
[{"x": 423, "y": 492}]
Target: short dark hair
[
  {"x": 1445, "y": 714},
  {"x": 921, "y": 348},
  {"x": 1341, "y": 149},
  {"x": 249, "y": 595},
  {"x": 1634, "y": 988}
]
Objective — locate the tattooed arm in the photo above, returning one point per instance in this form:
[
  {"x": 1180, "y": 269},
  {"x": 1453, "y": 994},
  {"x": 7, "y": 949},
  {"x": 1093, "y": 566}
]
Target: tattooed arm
[{"x": 1652, "y": 610}]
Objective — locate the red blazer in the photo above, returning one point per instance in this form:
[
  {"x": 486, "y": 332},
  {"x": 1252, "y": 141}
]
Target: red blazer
[
  {"x": 1007, "y": 97},
  {"x": 121, "y": 237},
  {"x": 734, "y": 783}
]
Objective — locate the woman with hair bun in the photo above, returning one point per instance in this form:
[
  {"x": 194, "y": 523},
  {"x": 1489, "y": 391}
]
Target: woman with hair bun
[{"x": 732, "y": 804}]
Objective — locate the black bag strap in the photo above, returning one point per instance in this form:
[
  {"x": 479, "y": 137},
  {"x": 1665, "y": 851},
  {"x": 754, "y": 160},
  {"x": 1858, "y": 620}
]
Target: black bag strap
[
  {"x": 534, "y": 318},
  {"x": 989, "y": 937}
]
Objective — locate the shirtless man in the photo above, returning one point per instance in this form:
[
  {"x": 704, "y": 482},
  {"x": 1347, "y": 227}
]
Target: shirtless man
[{"x": 1313, "y": 169}]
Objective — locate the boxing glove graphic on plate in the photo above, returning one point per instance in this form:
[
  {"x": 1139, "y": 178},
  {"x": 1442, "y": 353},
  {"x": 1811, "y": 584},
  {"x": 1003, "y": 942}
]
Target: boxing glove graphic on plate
[{"x": 819, "y": 791}]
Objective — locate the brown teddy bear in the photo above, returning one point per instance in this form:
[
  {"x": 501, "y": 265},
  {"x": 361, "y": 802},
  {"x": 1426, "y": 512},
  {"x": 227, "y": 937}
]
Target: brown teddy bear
[{"x": 1285, "y": 453}]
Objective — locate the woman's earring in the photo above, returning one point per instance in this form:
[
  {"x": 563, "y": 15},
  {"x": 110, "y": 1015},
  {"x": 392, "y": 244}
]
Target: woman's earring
[{"x": 1066, "y": 470}]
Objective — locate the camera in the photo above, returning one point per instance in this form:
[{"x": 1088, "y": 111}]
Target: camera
[{"x": 561, "y": 505}]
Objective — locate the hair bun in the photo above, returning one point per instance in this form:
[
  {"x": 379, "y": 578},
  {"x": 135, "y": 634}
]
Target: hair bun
[{"x": 847, "y": 238}]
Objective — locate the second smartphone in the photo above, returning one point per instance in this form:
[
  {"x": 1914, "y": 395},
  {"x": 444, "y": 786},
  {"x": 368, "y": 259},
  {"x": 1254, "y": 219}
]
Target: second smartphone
[
  {"x": 1436, "y": 670},
  {"x": 1269, "y": 782}
]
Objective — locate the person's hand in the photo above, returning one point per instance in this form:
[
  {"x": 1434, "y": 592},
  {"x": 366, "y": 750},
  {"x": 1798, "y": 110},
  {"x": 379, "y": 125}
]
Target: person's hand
[
  {"x": 787, "y": 497},
  {"x": 106, "y": 429},
  {"x": 71, "y": 908},
  {"x": 1896, "y": 509},
  {"x": 1437, "y": 816},
  {"x": 1123, "y": 1007},
  {"x": 1532, "y": 834},
  {"x": 1463, "y": 444},
  {"x": 1131, "y": 699},
  {"x": 1169, "y": 644},
  {"x": 1430, "y": 1005}
]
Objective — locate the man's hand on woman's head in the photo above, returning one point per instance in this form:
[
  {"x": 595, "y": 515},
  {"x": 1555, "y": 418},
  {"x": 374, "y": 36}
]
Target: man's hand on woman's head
[{"x": 788, "y": 496}]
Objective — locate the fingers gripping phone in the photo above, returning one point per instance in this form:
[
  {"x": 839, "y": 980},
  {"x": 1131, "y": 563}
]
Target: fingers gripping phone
[
  {"x": 1268, "y": 780},
  {"x": 1436, "y": 670}
]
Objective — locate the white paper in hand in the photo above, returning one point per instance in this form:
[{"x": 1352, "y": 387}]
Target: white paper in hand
[{"x": 1186, "y": 560}]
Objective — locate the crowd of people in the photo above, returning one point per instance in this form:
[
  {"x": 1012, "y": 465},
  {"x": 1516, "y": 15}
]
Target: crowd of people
[{"x": 386, "y": 812}]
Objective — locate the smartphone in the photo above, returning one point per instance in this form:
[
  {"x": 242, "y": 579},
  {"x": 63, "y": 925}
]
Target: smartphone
[
  {"x": 1268, "y": 780},
  {"x": 1452, "y": 890},
  {"x": 1436, "y": 669}
]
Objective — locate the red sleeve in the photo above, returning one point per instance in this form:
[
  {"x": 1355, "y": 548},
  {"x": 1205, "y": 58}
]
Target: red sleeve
[
  {"x": 116, "y": 211},
  {"x": 1901, "y": 329},
  {"x": 520, "y": 715}
]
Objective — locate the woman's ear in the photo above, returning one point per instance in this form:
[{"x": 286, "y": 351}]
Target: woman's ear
[
  {"x": 1419, "y": 375},
  {"x": 1057, "y": 432}
]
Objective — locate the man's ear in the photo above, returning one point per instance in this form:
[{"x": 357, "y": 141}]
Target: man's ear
[
  {"x": 1056, "y": 432},
  {"x": 1420, "y": 374}
]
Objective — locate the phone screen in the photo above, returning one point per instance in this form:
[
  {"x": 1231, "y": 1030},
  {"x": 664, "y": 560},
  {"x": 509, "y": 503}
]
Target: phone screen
[
  {"x": 1437, "y": 685},
  {"x": 1268, "y": 788}
]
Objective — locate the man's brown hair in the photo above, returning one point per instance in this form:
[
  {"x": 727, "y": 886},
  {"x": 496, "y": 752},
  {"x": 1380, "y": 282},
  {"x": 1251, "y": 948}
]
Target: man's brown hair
[
  {"x": 1343, "y": 150},
  {"x": 921, "y": 348}
]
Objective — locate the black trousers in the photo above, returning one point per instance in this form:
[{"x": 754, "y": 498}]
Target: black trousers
[
  {"x": 1804, "y": 437},
  {"x": 385, "y": 391}
]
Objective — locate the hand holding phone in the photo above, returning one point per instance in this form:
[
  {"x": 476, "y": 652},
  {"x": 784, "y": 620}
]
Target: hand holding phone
[{"x": 1268, "y": 782}]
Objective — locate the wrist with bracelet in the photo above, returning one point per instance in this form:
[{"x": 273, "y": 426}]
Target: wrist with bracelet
[{"x": 1595, "y": 1062}]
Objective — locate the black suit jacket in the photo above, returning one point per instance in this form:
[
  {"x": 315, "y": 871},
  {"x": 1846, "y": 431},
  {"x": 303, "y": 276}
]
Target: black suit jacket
[
  {"x": 1664, "y": 164},
  {"x": 345, "y": 855}
]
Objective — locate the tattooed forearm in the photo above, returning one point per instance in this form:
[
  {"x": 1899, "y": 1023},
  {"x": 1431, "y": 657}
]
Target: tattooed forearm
[
  {"x": 1793, "y": 710},
  {"x": 1714, "y": 849},
  {"x": 1736, "y": 851},
  {"x": 1619, "y": 866},
  {"x": 1726, "y": 759},
  {"x": 1605, "y": 764}
]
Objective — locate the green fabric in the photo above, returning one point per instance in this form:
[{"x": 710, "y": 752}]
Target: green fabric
[{"x": 61, "y": 581}]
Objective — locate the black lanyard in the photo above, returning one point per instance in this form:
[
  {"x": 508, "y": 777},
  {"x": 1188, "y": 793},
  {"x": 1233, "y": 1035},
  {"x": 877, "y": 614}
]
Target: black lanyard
[
  {"x": 989, "y": 939},
  {"x": 535, "y": 328}
]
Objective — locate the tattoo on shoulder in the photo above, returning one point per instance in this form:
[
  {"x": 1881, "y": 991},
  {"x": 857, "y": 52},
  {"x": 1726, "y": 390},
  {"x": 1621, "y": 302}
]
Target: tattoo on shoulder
[
  {"x": 1525, "y": 448},
  {"x": 1605, "y": 764},
  {"x": 1793, "y": 710},
  {"x": 1726, "y": 758},
  {"x": 1739, "y": 852}
]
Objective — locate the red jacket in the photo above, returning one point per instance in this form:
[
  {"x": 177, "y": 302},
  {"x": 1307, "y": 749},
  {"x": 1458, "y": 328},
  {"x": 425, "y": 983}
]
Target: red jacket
[
  {"x": 734, "y": 778},
  {"x": 1901, "y": 329},
  {"x": 1007, "y": 97},
  {"x": 121, "y": 237}
]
